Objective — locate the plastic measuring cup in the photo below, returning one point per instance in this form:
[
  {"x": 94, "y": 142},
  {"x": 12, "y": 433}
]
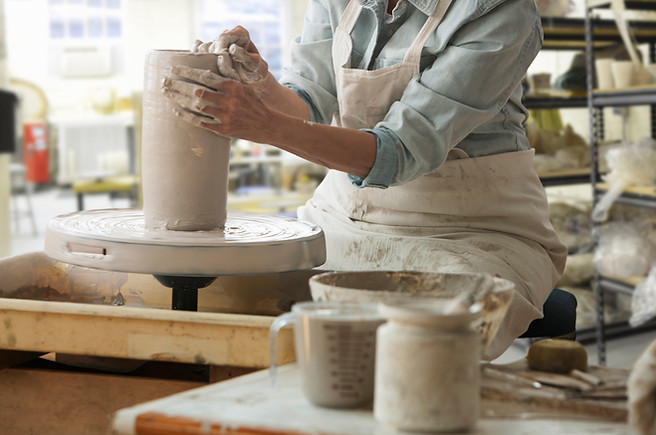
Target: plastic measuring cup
[{"x": 335, "y": 350}]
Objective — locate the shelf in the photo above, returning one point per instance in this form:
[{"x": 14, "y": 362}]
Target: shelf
[
  {"x": 613, "y": 330},
  {"x": 565, "y": 176},
  {"x": 633, "y": 96},
  {"x": 639, "y": 196},
  {"x": 645, "y": 196},
  {"x": 561, "y": 33},
  {"x": 620, "y": 285},
  {"x": 556, "y": 100},
  {"x": 645, "y": 5}
]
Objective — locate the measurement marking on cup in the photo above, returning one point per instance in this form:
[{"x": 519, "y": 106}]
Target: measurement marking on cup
[
  {"x": 338, "y": 326},
  {"x": 345, "y": 363}
]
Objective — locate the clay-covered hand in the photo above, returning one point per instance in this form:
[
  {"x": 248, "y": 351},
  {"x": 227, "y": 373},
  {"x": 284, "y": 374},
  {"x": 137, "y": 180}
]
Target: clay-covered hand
[
  {"x": 189, "y": 105},
  {"x": 238, "y": 58},
  {"x": 225, "y": 106}
]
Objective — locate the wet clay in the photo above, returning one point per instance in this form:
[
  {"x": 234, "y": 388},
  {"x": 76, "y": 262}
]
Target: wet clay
[
  {"x": 50, "y": 294},
  {"x": 184, "y": 167}
]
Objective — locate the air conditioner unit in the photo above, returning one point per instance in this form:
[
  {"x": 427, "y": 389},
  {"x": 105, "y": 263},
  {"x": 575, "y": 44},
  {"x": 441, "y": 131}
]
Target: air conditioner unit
[{"x": 85, "y": 62}]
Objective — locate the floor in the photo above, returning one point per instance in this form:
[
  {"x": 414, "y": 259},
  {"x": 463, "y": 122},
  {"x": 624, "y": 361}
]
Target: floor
[{"x": 50, "y": 202}]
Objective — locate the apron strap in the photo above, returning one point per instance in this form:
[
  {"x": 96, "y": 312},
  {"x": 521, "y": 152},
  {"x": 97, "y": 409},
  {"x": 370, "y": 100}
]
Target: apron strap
[
  {"x": 350, "y": 16},
  {"x": 343, "y": 30},
  {"x": 413, "y": 55}
]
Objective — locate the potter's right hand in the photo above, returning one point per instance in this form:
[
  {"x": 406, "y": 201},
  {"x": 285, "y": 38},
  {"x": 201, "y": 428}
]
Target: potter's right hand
[
  {"x": 219, "y": 104},
  {"x": 186, "y": 95},
  {"x": 179, "y": 76}
]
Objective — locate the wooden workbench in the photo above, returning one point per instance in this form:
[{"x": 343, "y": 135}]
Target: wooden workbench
[
  {"x": 67, "y": 312},
  {"x": 250, "y": 405}
]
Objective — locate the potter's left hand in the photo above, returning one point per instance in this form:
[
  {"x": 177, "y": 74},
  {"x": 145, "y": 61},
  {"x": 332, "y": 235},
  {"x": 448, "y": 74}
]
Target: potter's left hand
[
  {"x": 237, "y": 56},
  {"x": 225, "y": 106}
]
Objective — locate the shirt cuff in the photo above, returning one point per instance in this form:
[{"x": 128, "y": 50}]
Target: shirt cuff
[
  {"x": 384, "y": 169},
  {"x": 315, "y": 116}
]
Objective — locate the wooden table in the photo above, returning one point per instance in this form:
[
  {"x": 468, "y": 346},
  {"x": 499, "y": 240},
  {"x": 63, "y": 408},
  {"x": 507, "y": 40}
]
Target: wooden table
[
  {"x": 250, "y": 405},
  {"x": 114, "y": 185}
]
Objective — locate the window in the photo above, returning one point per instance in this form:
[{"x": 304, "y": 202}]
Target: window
[
  {"x": 262, "y": 18},
  {"x": 77, "y": 20}
]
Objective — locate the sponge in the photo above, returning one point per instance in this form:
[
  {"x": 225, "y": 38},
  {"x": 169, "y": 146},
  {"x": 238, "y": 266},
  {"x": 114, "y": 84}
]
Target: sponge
[{"x": 556, "y": 355}]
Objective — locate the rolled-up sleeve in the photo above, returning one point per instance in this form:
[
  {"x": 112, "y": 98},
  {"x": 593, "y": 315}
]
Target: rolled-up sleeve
[
  {"x": 310, "y": 72},
  {"x": 467, "y": 94},
  {"x": 468, "y": 84}
]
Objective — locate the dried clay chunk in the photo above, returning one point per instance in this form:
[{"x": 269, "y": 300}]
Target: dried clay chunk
[{"x": 554, "y": 355}]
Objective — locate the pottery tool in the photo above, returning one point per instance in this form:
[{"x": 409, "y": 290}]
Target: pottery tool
[
  {"x": 516, "y": 384},
  {"x": 504, "y": 375},
  {"x": 587, "y": 377}
]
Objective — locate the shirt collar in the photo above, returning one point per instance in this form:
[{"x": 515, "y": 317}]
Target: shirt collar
[{"x": 425, "y": 6}]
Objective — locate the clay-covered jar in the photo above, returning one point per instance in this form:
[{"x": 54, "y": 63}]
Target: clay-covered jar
[{"x": 427, "y": 366}]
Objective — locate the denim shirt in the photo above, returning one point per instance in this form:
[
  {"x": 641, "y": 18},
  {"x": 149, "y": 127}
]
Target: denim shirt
[{"x": 467, "y": 95}]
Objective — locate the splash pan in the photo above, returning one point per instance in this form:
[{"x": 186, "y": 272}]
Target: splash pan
[{"x": 48, "y": 306}]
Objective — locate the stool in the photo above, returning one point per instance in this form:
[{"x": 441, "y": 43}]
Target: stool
[
  {"x": 559, "y": 319},
  {"x": 112, "y": 185},
  {"x": 19, "y": 181}
]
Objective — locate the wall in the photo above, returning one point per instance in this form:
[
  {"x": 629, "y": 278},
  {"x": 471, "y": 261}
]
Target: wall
[
  {"x": 155, "y": 24},
  {"x": 149, "y": 24},
  {"x": 293, "y": 13},
  {"x": 5, "y": 240},
  {"x": 26, "y": 35}
]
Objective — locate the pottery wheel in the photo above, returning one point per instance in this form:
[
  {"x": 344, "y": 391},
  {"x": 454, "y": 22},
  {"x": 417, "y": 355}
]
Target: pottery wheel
[{"x": 250, "y": 243}]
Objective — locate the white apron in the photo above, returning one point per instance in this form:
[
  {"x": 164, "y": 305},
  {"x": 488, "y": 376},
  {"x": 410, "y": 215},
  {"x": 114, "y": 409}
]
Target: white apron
[{"x": 485, "y": 214}]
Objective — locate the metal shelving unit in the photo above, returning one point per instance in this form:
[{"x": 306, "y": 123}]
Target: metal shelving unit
[
  {"x": 574, "y": 100},
  {"x": 561, "y": 34},
  {"x": 567, "y": 100},
  {"x": 571, "y": 34},
  {"x": 643, "y": 32}
]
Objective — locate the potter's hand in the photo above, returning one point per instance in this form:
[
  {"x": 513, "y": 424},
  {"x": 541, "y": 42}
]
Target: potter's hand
[
  {"x": 244, "y": 59},
  {"x": 224, "y": 106},
  {"x": 248, "y": 66},
  {"x": 237, "y": 56},
  {"x": 190, "y": 107}
]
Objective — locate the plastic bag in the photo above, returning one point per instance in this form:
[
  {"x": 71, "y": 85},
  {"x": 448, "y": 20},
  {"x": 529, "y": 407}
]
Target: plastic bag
[
  {"x": 643, "y": 301},
  {"x": 629, "y": 165},
  {"x": 624, "y": 251}
]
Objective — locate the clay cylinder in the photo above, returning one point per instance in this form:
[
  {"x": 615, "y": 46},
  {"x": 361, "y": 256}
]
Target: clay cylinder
[
  {"x": 184, "y": 167},
  {"x": 427, "y": 375}
]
